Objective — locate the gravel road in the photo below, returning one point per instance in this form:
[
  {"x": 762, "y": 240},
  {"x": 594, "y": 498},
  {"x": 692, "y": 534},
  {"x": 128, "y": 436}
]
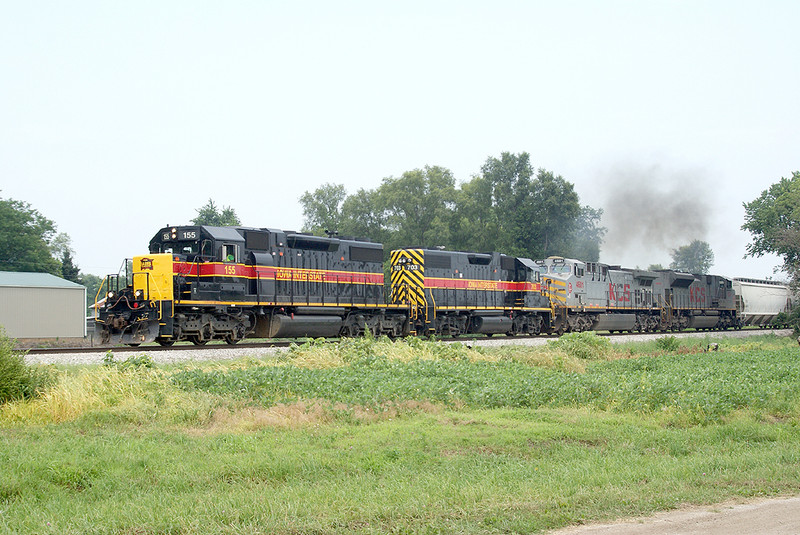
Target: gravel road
[{"x": 780, "y": 516}]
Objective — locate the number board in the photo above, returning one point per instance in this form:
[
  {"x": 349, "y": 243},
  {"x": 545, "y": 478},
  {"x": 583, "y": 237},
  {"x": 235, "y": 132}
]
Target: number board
[{"x": 181, "y": 235}]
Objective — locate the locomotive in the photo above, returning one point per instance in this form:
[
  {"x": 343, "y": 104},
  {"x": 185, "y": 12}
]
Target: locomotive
[{"x": 201, "y": 283}]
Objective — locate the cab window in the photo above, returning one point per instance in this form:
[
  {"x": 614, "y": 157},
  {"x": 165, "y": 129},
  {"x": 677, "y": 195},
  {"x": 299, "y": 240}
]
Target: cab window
[
  {"x": 229, "y": 253},
  {"x": 188, "y": 247}
]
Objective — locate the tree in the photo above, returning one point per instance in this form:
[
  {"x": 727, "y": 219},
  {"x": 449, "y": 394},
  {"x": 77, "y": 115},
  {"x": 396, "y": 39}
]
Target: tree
[
  {"x": 61, "y": 248},
  {"x": 696, "y": 257},
  {"x": 92, "y": 283},
  {"x": 322, "y": 209},
  {"x": 364, "y": 216},
  {"x": 474, "y": 225},
  {"x": 774, "y": 221},
  {"x": 509, "y": 178},
  {"x": 537, "y": 216},
  {"x": 210, "y": 215},
  {"x": 554, "y": 213},
  {"x": 418, "y": 207},
  {"x": 69, "y": 270},
  {"x": 25, "y": 237},
  {"x": 588, "y": 235},
  {"x": 506, "y": 208},
  {"x": 60, "y": 244}
]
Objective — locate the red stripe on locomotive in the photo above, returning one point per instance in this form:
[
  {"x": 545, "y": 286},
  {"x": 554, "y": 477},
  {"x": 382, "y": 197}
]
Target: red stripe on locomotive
[{"x": 280, "y": 274}]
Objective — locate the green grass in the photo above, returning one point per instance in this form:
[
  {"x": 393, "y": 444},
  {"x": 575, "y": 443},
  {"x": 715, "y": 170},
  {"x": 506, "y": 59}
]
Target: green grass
[
  {"x": 401, "y": 438},
  {"x": 689, "y": 388}
]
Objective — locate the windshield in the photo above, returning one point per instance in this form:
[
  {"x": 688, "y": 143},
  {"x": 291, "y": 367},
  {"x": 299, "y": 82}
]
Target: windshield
[
  {"x": 560, "y": 269},
  {"x": 181, "y": 247}
]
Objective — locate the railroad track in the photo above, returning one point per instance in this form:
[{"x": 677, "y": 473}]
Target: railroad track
[{"x": 286, "y": 343}]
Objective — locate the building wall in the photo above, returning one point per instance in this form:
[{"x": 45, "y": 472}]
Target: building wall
[{"x": 29, "y": 312}]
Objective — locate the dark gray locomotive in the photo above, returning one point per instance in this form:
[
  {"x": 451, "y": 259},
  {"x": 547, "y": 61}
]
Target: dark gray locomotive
[{"x": 456, "y": 293}]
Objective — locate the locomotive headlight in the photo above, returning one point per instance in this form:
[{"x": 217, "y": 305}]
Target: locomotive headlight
[
  {"x": 110, "y": 295},
  {"x": 138, "y": 294}
]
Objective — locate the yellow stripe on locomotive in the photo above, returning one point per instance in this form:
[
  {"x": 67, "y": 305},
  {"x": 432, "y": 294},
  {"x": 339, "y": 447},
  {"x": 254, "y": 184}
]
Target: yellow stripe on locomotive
[{"x": 408, "y": 276}]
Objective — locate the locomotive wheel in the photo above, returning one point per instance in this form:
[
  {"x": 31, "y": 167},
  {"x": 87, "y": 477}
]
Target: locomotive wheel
[
  {"x": 165, "y": 342},
  {"x": 195, "y": 339},
  {"x": 230, "y": 340},
  {"x": 133, "y": 345}
]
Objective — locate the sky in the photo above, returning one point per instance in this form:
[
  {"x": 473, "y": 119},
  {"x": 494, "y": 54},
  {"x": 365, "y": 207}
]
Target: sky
[{"x": 118, "y": 118}]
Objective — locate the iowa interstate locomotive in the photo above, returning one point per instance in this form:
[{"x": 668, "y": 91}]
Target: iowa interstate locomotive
[{"x": 201, "y": 283}]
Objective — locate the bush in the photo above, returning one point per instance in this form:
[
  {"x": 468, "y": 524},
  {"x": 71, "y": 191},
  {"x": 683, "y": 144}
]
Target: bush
[
  {"x": 789, "y": 319},
  {"x": 17, "y": 379},
  {"x": 586, "y": 345},
  {"x": 668, "y": 343},
  {"x": 131, "y": 363}
]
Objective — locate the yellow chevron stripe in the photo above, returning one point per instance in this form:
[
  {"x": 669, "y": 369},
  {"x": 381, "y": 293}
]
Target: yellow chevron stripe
[{"x": 408, "y": 276}]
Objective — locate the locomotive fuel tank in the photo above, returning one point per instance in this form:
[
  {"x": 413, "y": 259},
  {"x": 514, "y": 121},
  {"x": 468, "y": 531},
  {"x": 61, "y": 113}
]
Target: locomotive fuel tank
[{"x": 284, "y": 326}]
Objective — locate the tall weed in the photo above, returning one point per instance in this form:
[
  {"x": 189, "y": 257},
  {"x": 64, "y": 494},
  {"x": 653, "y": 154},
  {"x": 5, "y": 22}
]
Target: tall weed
[
  {"x": 17, "y": 379},
  {"x": 109, "y": 393},
  {"x": 584, "y": 345}
]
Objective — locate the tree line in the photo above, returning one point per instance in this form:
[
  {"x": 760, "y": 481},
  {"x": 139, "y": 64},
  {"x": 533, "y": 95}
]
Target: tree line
[
  {"x": 29, "y": 242},
  {"x": 508, "y": 207}
]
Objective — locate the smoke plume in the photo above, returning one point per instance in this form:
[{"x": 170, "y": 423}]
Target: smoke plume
[{"x": 651, "y": 211}]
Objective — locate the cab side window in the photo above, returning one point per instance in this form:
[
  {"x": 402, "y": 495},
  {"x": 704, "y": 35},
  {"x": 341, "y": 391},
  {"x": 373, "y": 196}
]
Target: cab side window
[{"x": 229, "y": 253}]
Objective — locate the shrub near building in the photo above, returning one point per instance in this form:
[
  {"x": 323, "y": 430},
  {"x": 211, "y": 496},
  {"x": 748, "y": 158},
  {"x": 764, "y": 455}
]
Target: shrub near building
[{"x": 17, "y": 379}]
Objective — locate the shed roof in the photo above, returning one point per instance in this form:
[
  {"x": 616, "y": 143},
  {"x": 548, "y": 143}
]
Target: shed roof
[{"x": 36, "y": 280}]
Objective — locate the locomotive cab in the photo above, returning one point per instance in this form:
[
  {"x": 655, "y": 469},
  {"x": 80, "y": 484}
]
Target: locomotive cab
[{"x": 199, "y": 244}]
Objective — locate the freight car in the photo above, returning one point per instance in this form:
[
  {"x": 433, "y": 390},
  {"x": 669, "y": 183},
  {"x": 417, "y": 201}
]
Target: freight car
[
  {"x": 200, "y": 283},
  {"x": 758, "y": 302}
]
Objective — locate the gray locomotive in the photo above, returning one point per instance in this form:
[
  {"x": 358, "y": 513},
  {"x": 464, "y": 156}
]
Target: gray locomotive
[{"x": 603, "y": 297}]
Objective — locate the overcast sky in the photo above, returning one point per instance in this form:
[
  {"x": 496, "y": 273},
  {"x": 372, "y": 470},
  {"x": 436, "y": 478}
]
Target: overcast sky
[{"x": 117, "y": 118}]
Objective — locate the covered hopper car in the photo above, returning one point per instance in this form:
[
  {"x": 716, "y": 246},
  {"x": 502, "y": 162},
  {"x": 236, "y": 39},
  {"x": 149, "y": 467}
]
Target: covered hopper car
[{"x": 758, "y": 302}]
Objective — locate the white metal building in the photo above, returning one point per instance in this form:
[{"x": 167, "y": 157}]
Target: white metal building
[{"x": 40, "y": 305}]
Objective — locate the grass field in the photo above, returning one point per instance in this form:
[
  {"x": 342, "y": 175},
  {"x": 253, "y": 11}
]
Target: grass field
[{"x": 369, "y": 436}]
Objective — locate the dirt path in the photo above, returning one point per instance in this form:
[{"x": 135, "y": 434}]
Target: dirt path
[{"x": 779, "y": 516}]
